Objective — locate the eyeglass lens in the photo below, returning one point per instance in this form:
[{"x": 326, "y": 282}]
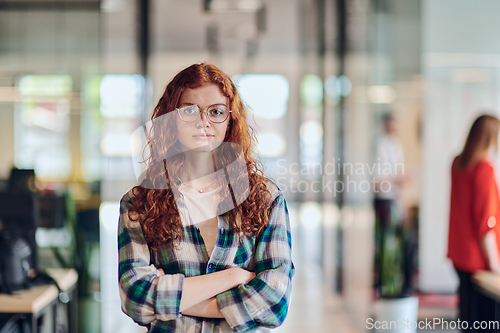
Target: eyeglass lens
[{"x": 215, "y": 113}]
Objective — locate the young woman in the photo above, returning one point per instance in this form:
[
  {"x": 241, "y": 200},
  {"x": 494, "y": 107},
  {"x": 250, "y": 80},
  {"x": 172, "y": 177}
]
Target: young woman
[
  {"x": 204, "y": 241},
  {"x": 474, "y": 234}
]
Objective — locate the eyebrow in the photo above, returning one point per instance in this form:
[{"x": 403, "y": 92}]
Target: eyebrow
[{"x": 199, "y": 106}]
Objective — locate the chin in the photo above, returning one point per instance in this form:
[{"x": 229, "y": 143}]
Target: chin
[
  {"x": 201, "y": 147},
  {"x": 205, "y": 148}
]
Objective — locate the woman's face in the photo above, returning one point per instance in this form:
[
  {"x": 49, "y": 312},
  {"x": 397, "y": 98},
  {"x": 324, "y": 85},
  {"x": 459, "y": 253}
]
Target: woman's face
[{"x": 201, "y": 132}]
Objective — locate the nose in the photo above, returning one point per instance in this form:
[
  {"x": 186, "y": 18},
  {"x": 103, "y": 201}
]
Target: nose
[{"x": 203, "y": 120}]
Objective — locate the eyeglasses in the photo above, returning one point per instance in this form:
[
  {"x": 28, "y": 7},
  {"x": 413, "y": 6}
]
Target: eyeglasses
[{"x": 216, "y": 113}]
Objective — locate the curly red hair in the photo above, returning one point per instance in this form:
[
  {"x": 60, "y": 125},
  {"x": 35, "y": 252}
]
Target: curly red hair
[{"x": 155, "y": 209}]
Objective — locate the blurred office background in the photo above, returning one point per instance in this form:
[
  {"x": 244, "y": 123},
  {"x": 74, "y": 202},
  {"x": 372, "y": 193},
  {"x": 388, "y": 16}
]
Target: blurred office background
[{"x": 77, "y": 77}]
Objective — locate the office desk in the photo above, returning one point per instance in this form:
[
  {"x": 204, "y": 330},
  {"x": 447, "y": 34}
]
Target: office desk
[
  {"x": 488, "y": 283},
  {"x": 44, "y": 300}
]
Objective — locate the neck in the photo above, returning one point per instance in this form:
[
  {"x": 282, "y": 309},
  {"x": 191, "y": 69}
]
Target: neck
[{"x": 198, "y": 164}]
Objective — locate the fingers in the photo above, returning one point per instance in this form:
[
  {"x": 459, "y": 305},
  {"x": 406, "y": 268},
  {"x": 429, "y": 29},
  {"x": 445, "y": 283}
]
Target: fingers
[
  {"x": 160, "y": 272},
  {"x": 250, "y": 276}
]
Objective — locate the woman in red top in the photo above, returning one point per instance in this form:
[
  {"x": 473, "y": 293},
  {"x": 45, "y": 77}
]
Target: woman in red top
[{"x": 474, "y": 234}]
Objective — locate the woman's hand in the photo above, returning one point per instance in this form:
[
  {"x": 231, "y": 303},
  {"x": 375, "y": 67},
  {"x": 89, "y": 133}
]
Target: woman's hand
[
  {"x": 490, "y": 249},
  {"x": 242, "y": 275}
]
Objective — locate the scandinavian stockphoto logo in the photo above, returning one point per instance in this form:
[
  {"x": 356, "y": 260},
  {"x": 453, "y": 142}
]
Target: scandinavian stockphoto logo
[{"x": 159, "y": 160}]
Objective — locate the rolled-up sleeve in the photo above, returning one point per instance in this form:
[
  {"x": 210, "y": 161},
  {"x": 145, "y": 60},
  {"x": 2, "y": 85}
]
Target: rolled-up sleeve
[
  {"x": 144, "y": 296},
  {"x": 264, "y": 300}
]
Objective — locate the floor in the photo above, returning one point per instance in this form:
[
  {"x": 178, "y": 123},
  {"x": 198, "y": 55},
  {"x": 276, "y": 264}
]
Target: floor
[{"x": 314, "y": 307}]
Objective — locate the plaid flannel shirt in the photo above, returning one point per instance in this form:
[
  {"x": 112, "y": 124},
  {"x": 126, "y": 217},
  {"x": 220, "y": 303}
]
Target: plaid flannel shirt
[{"x": 154, "y": 301}]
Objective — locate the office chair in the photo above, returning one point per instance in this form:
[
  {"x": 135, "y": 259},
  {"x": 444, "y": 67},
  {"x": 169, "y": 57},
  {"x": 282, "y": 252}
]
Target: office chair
[
  {"x": 14, "y": 324},
  {"x": 21, "y": 180},
  {"x": 19, "y": 216}
]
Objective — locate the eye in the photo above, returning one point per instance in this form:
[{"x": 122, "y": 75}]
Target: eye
[
  {"x": 216, "y": 112},
  {"x": 189, "y": 110}
]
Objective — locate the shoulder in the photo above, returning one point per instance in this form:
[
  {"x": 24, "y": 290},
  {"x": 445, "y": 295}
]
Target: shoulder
[
  {"x": 126, "y": 201},
  {"x": 274, "y": 190},
  {"x": 129, "y": 220},
  {"x": 481, "y": 167},
  {"x": 485, "y": 167},
  {"x": 484, "y": 164}
]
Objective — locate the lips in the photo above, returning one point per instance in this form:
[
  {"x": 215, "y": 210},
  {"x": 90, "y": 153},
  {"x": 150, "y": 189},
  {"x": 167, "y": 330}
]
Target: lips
[{"x": 203, "y": 136}]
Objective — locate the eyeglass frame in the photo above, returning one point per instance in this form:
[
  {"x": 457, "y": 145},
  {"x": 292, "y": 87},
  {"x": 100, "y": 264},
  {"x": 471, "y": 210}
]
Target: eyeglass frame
[{"x": 202, "y": 110}]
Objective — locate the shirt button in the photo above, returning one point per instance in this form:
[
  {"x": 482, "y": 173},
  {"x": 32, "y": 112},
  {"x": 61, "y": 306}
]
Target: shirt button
[
  {"x": 210, "y": 266},
  {"x": 222, "y": 231}
]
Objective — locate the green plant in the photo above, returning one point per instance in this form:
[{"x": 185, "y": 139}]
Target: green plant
[{"x": 393, "y": 256}]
